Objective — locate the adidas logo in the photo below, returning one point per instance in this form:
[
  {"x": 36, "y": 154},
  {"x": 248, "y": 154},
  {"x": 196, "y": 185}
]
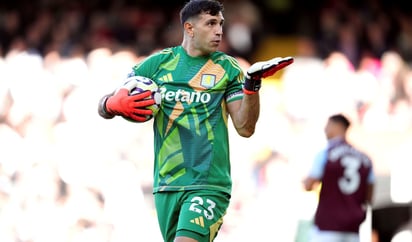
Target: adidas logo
[
  {"x": 166, "y": 78},
  {"x": 199, "y": 221}
]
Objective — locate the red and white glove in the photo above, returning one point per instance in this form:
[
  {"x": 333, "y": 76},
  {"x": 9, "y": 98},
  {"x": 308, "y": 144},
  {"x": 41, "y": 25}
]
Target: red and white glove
[
  {"x": 263, "y": 69},
  {"x": 132, "y": 107}
]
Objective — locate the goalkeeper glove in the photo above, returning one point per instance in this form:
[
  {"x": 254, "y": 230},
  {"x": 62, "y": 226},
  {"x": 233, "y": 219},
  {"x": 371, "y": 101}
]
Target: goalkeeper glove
[
  {"x": 132, "y": 107},
  {"x": 263, "y": 69}
]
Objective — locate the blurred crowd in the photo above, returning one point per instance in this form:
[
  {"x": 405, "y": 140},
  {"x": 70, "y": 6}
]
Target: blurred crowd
[
  {"x": 359, "y": 28},
  {"x": 74, "y": 28},
  {"x": 68, "y": 175}
]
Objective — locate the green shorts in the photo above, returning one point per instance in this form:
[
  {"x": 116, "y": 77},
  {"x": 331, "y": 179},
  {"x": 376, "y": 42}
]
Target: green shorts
[{"x": 197, "y": 214}]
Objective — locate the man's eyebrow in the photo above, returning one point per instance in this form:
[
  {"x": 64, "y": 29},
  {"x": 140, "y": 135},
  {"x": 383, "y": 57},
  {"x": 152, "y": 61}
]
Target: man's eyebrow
[
  {"x": 214, "y": 20},
  {"x": 222, "y": 20}
]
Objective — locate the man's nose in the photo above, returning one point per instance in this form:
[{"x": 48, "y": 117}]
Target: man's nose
[{"x": 219, "y": 31}]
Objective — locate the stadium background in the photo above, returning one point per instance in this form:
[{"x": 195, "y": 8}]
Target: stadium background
[{"x": 68, "y": 175}]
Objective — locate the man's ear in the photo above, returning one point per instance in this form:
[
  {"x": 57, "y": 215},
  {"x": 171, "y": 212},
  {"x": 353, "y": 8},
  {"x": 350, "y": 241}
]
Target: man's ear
[{"x": 188, "y": 27}]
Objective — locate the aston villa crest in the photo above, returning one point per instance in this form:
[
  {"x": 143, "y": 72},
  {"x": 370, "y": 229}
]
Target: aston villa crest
[{"x": 208, "y": 80}]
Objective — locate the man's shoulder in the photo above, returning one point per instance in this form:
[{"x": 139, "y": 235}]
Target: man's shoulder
[
  {"x": 344, "y": 147},
  {"x": 226, "y": 60},
  {"x": 159, "y": 56},
  {"x": 222, "y": 56},
  {"x": 165, "y": 51},
  {"x": 358, "y": 150}
]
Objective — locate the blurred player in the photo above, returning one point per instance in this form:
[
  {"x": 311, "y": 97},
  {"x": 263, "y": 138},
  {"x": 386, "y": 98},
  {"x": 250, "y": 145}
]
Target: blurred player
[
  {"x": 200, "y": 87},
  {"x": 347, "y": 179}
]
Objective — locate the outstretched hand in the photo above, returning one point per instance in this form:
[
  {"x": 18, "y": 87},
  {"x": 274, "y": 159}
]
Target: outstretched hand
[{"x": 263, "y": 69}]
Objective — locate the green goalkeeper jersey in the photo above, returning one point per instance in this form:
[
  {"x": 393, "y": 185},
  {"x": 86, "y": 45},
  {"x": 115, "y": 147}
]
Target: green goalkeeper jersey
[{"x": 190, "y": 131}]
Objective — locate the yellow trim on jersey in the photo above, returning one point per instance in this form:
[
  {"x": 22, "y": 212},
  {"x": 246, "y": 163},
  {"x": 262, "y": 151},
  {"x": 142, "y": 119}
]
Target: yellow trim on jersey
[
  {"x": 214, "y": 228},
  {"x": 225, "y": 114},
  {"x": 177, "y": 110}
]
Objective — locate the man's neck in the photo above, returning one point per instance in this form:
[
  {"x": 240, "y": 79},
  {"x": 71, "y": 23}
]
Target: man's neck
[{"x": 190, "y": 50}]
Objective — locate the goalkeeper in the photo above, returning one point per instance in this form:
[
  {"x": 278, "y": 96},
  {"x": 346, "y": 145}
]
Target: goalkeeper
[{"x": 201, "y": 87}]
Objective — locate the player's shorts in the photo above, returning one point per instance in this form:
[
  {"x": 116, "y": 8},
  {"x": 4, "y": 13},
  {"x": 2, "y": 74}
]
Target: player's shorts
[{"x": 197, "y": 214}]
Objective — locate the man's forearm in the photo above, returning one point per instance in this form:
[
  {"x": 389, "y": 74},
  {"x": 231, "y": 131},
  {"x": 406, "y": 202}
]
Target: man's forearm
[{"x": 248, "y": 114}]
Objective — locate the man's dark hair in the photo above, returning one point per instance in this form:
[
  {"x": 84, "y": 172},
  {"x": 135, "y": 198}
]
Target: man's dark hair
[
  {"x": 196, "y": 7},
  {"x": 340, "y": 119}
]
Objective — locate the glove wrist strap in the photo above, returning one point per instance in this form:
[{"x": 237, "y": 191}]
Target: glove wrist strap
[
  {"x": 247, "y": 92},
  {"x": 251, "y": 86},
  {"x": 103, "y": 109}
]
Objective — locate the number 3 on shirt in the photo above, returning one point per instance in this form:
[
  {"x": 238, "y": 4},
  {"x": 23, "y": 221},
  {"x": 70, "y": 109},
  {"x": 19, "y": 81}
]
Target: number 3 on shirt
[
  {"x": 350, "y": 181},
  {"x": 197, "y": 206}
]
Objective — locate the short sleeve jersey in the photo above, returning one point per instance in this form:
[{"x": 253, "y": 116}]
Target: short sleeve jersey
[
  {"x": 190, "y": 131},
  {"x": 346, "y": 175}
]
